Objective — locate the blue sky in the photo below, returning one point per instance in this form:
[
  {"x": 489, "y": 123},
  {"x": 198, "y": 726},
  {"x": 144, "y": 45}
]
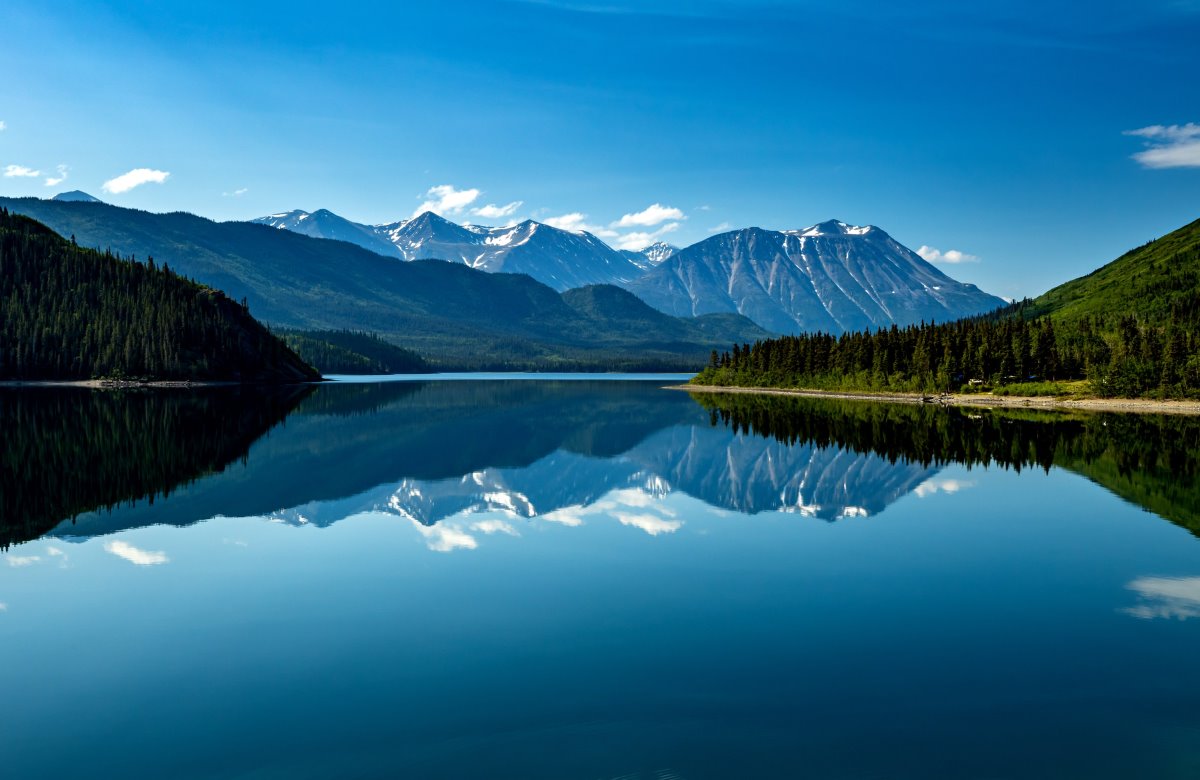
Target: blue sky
[{"x": 998, "y": 130}]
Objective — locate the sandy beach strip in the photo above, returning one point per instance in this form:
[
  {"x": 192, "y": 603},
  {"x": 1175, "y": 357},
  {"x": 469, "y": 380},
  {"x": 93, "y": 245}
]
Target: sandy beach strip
[{"x": 1135, "y": 405}]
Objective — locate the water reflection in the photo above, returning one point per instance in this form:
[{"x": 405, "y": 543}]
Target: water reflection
[
  {"x": 68, "y": 451},
  {"x": 1175, "y": 598},
  {"x": 488, "y": 455}
]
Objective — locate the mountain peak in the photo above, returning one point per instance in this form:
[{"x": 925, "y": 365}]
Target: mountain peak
[
  {"x": 76, "y": 196},
  {"x": 834, "y": 227},
  {"x": 430, "y": 217}
]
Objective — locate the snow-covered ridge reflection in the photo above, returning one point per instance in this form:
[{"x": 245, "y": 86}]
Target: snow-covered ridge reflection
[{"x": 727, "y": 470}]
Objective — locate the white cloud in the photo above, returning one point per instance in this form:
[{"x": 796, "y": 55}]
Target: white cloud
[
  {"x": 54, "y": 552},
  {"x": 573, "y": 221},
  {"x": 651, "y": 524},
  {"x": 445, "y": 537},
  {"x": 931, "y": 486},
  {"x": 20, "y": 561},
  {"x": 721, "y": 228},
  {"x": 650, "y": 216},
  {"x": 1169, "y": 146},
  {"x": 445, "y": 199},
  {"x": 54, "y": 181},
  {"x": 239, "y": 192},
  {"x": 14, "y": 171},
  {"x": 492, "y": 211},
  {"x": 135, "y": 178},
  {"x": 494, "y": 527},
  {"x": 3, "y": 606},
  {"x": 566, "y": 516},
  {"x": 135, "y": 555},
  {"x": 641, "y": 239},
  {"x": 951, "y": 256},
  {"x": 1166, "y": 597},
  {"x": 576, "y": 222},
  {"x": 3, "y": 125}
]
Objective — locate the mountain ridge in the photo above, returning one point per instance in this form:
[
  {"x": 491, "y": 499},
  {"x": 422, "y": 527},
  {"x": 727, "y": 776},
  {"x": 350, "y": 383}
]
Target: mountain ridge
[{"x": 831, "y": 277}]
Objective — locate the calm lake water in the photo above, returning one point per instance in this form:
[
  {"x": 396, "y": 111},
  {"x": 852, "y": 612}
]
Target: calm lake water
[{"x": 586, "y": 579}]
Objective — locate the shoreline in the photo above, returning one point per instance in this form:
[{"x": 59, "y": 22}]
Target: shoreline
[
  {"x": 1130, "y": 405},
  {"x": 124, "y": 384}
]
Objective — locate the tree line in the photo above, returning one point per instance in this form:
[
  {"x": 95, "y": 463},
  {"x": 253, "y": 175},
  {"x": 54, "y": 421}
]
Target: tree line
[{"x": 1120, "y": 356}]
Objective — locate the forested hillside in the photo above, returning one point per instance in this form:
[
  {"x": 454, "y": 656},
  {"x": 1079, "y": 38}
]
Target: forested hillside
[
  {"x": 72, "y": 313},
  {"x": 352, "y": 352}
]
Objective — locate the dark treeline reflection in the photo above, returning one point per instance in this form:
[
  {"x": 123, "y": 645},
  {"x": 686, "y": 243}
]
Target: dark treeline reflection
[
  {"x": 68, "y": 450},
  {"x": 1150, "y": 460}
]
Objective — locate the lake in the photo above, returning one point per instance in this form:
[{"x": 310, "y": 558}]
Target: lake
[{"x": 591, "y": 579}]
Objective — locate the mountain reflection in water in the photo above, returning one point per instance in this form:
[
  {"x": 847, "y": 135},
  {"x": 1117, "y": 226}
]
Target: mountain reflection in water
[{"x": 428, "y": 451}]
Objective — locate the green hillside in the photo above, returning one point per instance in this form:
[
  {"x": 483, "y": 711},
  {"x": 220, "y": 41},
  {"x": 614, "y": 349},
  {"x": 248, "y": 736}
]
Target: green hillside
[
  {"x": 1149, "y": 282},
  {"x": 72, "y": 313},
  {"x": 352, "y": 352},
  {"x": 455, "y": 316}
]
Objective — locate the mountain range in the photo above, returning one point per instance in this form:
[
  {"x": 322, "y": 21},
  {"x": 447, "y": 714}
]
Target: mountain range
[
  {"x": 831, "y": 277},
  {"x": 466, "y": 318},
  {"x": 317, "y": 270},
  {"x": 557, "y": 258}
]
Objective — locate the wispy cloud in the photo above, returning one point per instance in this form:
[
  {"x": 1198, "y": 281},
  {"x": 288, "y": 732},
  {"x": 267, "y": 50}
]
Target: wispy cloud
[
  {"x": 239, "y": 192},
  {"x": 951, "y": 256},
  {"x": 1166, "y": 597},
  {"x": 3, "y": 125},
  {"x": 445, "y": 199},
  {"x": 576, "y": 222},
  {"x": 54, "y": 181},
  {"x": 492, "y": 211},
  {"x": 20, "y": 171},
  {"x": 494, "y": 526},
  {"x": 651, "y": 524},
  {"x": 445, "y": 537},
  {"x": 950, "y": 486},
  {"x": 1169, "y": 146},
  {"x": 135, "y": 178},
  {"x": 653, "y": 214},
  {"x": 721, "y": 228},
  {"x": 21, "y": 561},
  {"x": 3, "y": 606},
  {"x": 642, "y": 239},
  {"x": 135, "y": 555}
]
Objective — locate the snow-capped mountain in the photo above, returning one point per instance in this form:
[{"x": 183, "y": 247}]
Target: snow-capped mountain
[
  {"x": 651, "y": 256},
  {"x": 323, "y": 223},
  {"x": 558, "y": 258},
  {"x": 830, "y": 277}
]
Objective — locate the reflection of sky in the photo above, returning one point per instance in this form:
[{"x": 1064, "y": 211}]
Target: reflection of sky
[
  {"x": 906, "y": 620},
  {"x": 1166, "y": 597}
]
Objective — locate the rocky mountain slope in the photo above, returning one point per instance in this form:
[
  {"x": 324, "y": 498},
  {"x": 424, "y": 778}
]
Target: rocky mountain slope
[{"x": 831, "y": 277}]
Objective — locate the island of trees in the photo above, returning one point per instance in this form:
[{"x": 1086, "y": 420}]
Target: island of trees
[{"x": 70, "y": 313}]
